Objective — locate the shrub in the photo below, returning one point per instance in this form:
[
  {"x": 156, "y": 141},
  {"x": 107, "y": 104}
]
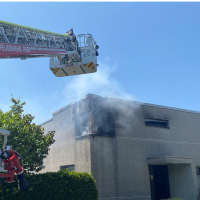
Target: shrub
[{"x": 62, "y": 185}]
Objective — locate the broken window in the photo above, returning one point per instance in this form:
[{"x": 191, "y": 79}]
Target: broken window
[
  {"x": 157, "y": 123},
  {"x": 102, "y": 123},
  {"x": 97, "y": 121}
]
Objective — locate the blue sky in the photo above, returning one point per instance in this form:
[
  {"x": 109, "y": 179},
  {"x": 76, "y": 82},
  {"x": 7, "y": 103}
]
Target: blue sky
[{"x": 149, "y": 52}]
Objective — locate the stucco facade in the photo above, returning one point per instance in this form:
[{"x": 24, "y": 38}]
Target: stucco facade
[{"x": 125, "y": 154}]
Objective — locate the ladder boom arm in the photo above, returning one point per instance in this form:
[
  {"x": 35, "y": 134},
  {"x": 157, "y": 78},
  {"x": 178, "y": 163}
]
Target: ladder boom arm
[{"x": 70, "y": 55}]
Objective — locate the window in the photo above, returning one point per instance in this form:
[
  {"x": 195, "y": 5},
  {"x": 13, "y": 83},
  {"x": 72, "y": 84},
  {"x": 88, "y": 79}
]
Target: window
[
  {"x": 157, "y": 123},
  {"x": 43, "y": 161},
  {"x": 69, "y": 167},
  {"x": 43, "y": 164},
  {"x": 198, "y": 170}
]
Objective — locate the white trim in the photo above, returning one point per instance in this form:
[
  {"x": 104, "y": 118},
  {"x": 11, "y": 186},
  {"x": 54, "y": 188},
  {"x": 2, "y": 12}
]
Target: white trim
[{"x": 4, "y": 132}]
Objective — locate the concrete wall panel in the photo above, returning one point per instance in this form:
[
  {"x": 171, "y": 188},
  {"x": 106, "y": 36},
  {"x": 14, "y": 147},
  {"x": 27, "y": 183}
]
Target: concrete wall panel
[
  {"x": 103, "y": 166},
  {"x": 181, "y": 182},
  {"x": 83, "y": 154}
]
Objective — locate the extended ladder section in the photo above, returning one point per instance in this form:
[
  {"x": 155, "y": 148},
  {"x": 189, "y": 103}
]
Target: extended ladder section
[{"x": 23, "y": 42}]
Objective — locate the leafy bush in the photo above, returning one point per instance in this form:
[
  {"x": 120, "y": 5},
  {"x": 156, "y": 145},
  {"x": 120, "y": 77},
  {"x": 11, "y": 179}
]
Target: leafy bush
[{"x": 62, "y": 185}]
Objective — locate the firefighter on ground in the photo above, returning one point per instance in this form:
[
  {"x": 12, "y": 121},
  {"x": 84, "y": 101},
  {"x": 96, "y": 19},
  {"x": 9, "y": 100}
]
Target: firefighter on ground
[{"x": 11, "y": 159}]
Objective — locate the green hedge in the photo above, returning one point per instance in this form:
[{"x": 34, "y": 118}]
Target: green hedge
[{"x": 62, "y": 185}]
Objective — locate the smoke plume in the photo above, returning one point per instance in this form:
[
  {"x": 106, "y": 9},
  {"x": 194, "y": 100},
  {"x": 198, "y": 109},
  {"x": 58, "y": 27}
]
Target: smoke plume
[{"x": 100, "y": 83}]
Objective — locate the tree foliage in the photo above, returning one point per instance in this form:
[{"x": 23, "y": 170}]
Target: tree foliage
[{"x": 26, "y": 138}]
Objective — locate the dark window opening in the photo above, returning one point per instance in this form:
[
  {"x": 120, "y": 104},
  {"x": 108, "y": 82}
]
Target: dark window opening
[
  {"x": 69, "y": 167},
  {"x": 99, "y": 121},
  {"x": 157, "y": 123},
  {"x": 42, "y": 166},
  {"x": 43, "y": 162},
  {"x": 102, "y": 123},
  {"x": 198, "y": 170}
]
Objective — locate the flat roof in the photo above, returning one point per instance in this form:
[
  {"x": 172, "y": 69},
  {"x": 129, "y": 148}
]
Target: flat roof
[
  {"x": 160, "y": 106},
  {"x": 4, "y": 132},
  {"x": 170, "y": 108},
  {"x": 63, "y": 108},
  {"x": 137, "y": 102}
]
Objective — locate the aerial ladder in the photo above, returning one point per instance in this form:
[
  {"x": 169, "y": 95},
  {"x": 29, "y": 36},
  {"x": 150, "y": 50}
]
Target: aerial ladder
[{"x": 68, "y": 55}]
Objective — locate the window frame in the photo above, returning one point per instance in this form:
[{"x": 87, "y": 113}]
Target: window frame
[
  {"x": 43, "y": 164},
  {"x": 198, "y": 170},
  {"x": 159, "y": 120},
  {"x": 67, "y": 167}
]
